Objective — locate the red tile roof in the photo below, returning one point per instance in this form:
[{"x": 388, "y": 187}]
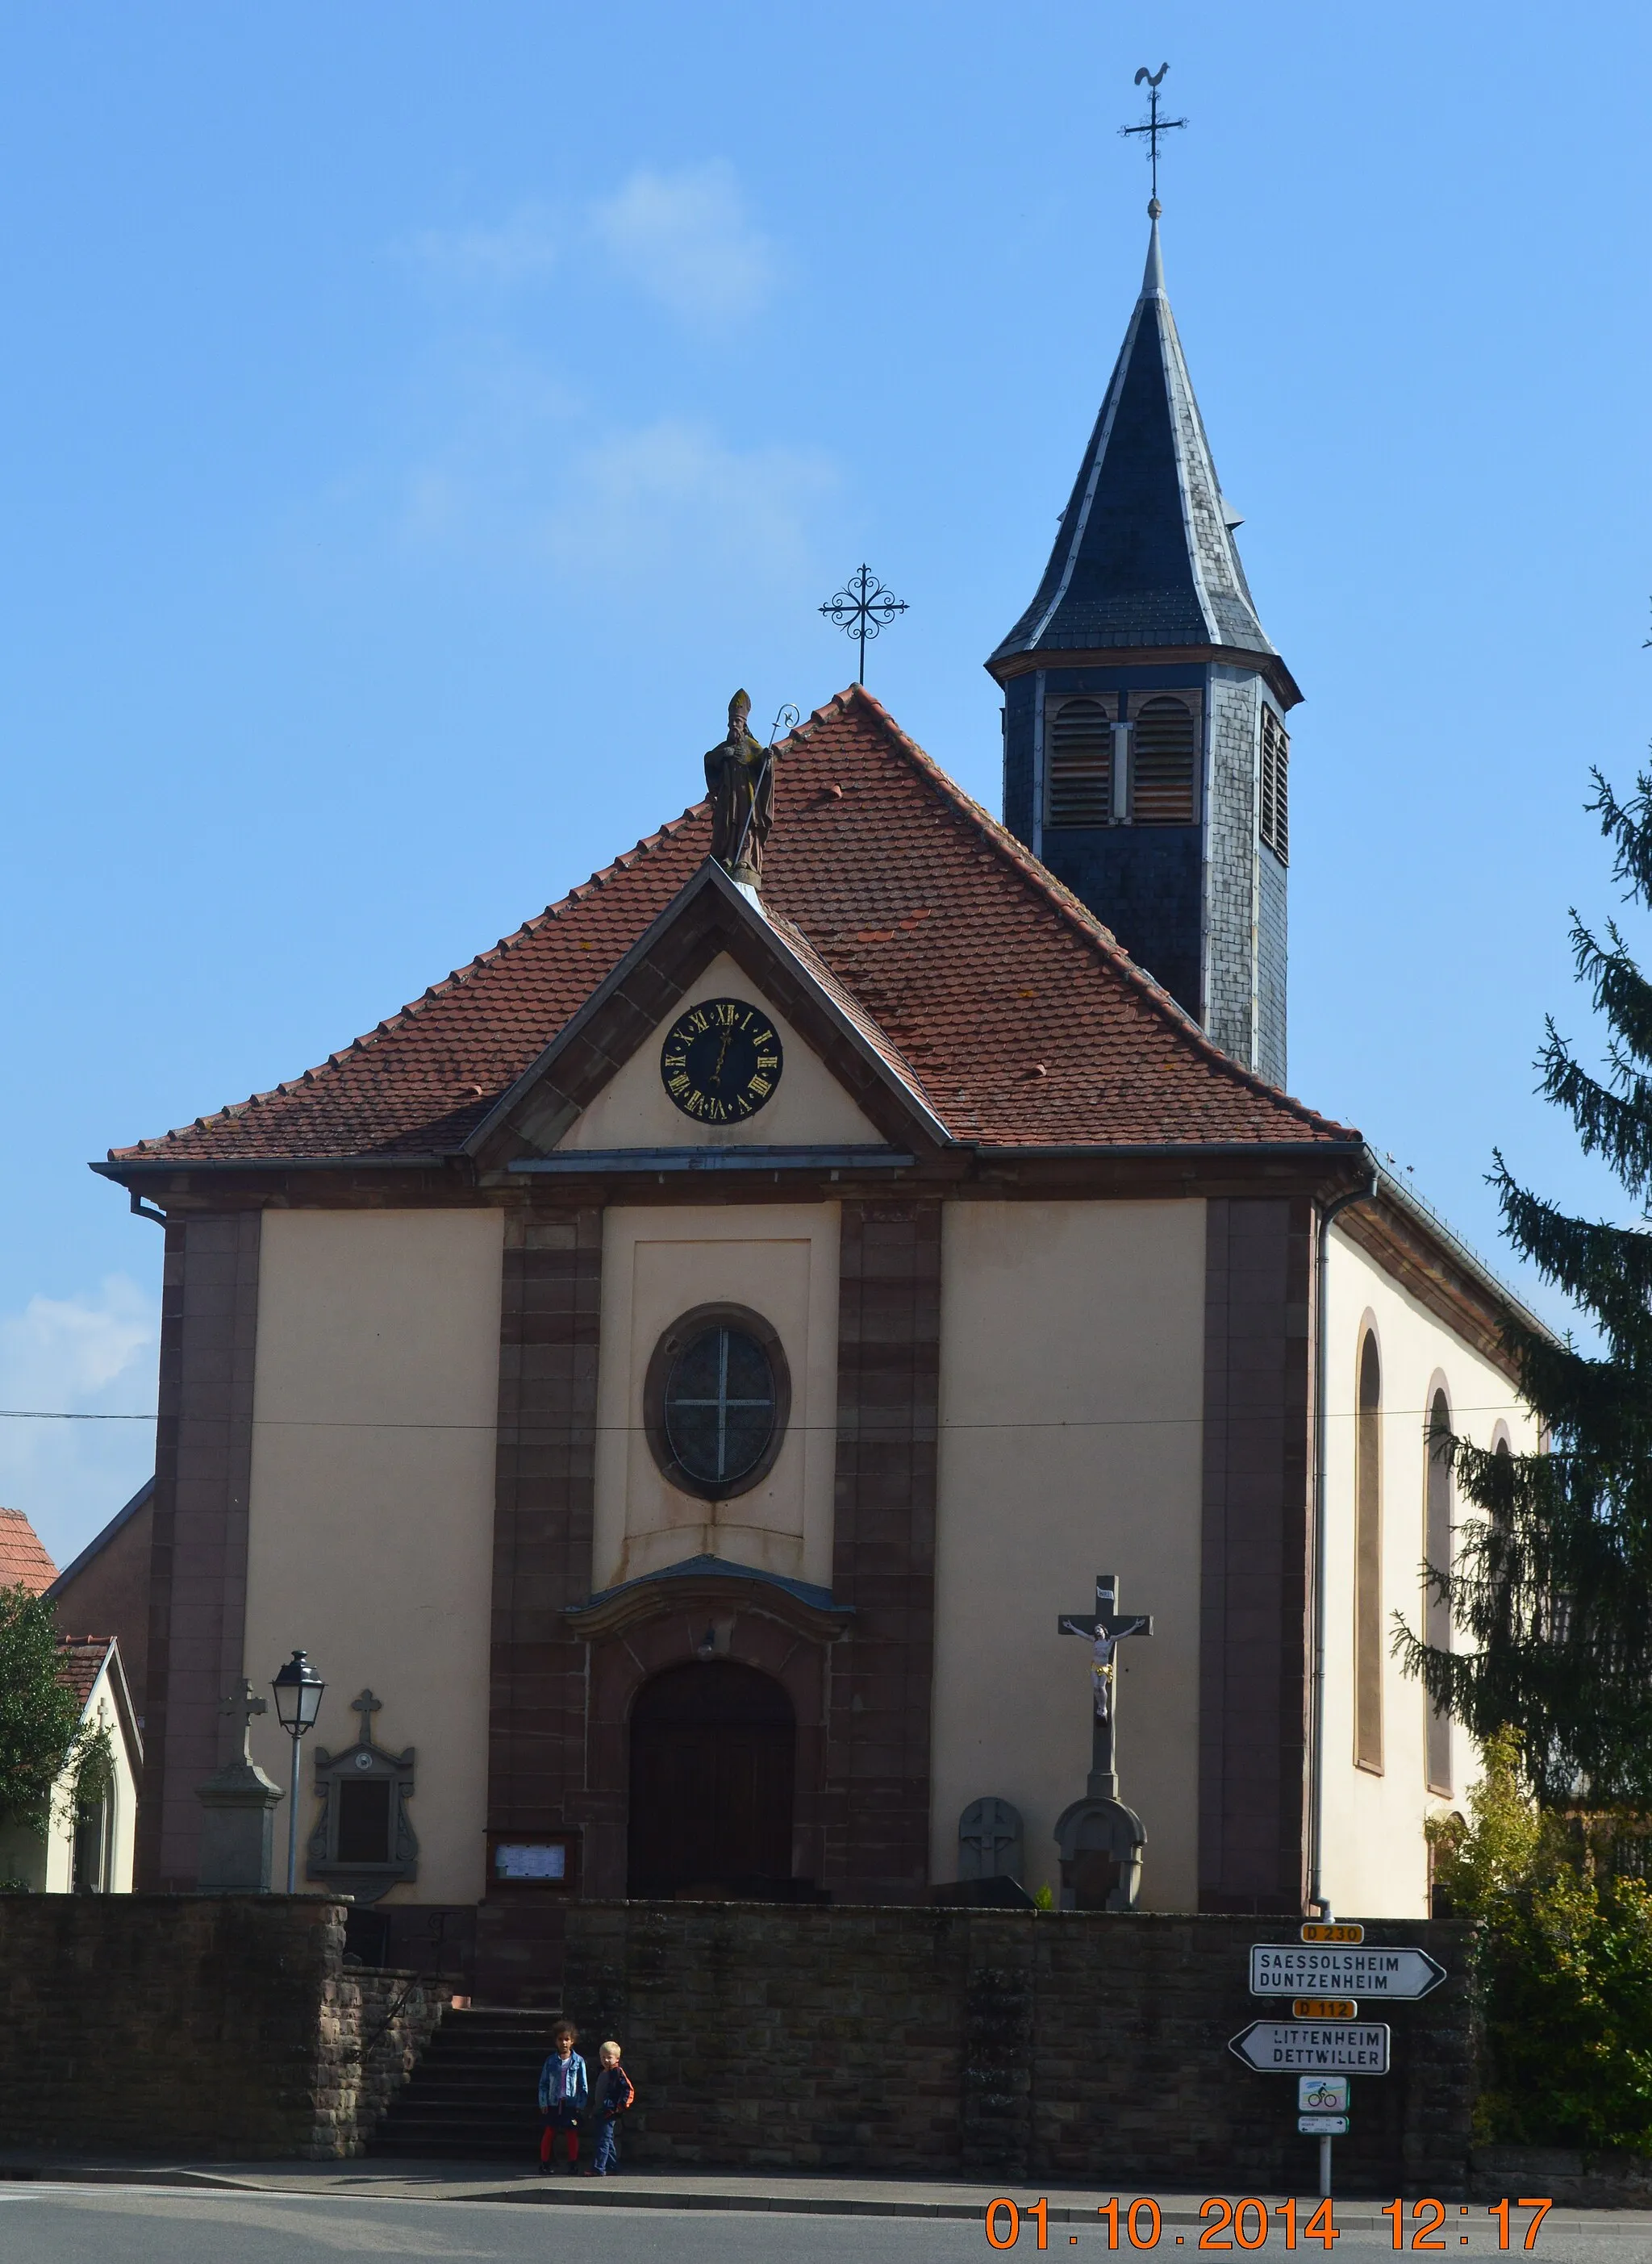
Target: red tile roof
[
  {"x": 23, "y": 1560},
  {"x": 1020, "y": 1013},
  {"x": 80, "y": 1662}
]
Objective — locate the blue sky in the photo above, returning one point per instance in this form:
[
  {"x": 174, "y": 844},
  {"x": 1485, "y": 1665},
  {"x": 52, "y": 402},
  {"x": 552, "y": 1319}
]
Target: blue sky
[{"x": 418, "y": 420}]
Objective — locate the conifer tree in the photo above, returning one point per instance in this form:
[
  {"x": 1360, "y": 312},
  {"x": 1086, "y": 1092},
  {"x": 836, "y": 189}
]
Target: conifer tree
[{"x": 1553, "y": 1585}]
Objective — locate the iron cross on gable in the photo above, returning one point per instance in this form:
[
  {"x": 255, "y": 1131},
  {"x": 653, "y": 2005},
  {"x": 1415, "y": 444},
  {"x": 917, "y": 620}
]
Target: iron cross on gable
[{"x": 1104, "y": 1630}]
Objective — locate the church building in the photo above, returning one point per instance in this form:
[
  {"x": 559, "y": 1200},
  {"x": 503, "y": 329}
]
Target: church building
[{"x": 674, "y": 1378}]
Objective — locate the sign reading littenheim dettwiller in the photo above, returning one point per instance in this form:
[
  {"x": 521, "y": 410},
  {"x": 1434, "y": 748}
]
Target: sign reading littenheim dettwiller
[
  {"x": 1308, "y": 2048},
  {"x": 1287, "y": 1968}
]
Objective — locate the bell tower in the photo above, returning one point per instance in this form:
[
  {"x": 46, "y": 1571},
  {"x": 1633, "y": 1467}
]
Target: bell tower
[{"x": 1146, "y": 753}]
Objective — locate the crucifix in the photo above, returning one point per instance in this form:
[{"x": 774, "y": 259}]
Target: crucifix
[
  {"x": 1104, "y": 1630},
  {"x": 1154, "y": 126},
  {"x": 241, "y": 1706}
]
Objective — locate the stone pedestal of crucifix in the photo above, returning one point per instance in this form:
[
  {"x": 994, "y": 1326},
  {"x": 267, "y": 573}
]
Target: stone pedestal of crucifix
[
  {"x": 238, "y": 1829},
  {"x": 1100, "y": 1841}
]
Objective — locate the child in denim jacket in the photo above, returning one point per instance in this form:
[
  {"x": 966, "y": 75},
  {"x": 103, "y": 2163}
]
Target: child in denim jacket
[
  {"x": 611, "y": 2095},
  {"x": 562, "y": 2093}
]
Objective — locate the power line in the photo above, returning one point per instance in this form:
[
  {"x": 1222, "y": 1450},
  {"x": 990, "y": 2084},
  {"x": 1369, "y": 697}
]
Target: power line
[{"x": 639, "y": 1430}]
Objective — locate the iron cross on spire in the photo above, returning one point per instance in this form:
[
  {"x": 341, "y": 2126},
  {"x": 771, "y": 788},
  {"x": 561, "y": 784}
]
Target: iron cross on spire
[
  {"x": 1154, "y": 126},
  {"x": 861, "y": 607},
  {"x": 1104, "y": 1631}
]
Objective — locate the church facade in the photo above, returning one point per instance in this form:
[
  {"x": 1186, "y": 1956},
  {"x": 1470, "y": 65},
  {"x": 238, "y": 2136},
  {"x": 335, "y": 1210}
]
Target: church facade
[{"x": 674, "y": 1376}]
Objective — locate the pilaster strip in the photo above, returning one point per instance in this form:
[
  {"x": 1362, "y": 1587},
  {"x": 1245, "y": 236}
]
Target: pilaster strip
[
  {"x": 197, "y": 1547},
  {"x": 877, "y": 1764},
  {"x": 1254, "y": 1588},
  {"x": 549, "y": 1311}
]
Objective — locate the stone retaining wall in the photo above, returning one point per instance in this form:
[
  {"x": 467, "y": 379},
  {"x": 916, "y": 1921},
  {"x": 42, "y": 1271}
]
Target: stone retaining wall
[
  {"x": 1071, "y": 2047},
  {"x": 222, "y": 2025}
]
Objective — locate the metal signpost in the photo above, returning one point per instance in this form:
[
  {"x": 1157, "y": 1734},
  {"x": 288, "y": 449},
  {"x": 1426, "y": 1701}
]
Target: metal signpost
[{"x": 1327, "y": 2043}]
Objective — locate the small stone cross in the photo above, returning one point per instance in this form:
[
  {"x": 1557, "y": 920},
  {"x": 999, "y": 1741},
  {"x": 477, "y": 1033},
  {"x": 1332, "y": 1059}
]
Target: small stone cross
[
  {"x": 366, "y": 1705},
  {"x": 241, "y": 1705},
  {"x": 1104, "y": 1630}
]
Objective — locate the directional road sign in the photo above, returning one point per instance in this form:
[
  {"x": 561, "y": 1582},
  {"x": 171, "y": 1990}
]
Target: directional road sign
[
  {"x": 1307, "y": 2048},
  {"x": 1322, "y": 2126},
  {"x": 1289, "y": 1969}
]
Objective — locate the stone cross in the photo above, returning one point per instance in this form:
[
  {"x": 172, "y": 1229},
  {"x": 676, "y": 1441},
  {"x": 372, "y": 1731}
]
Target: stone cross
[
  {"x": 241, "y": 1705},
  {"x": 366, "y": 1705},
  {"x": 1104, "y": 1630}
]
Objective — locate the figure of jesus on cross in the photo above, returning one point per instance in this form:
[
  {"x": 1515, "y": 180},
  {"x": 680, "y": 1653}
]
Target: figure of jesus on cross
[{"x": 1104, "y": 1630}]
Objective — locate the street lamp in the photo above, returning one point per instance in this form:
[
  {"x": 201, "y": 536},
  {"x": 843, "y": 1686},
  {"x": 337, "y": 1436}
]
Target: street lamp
[{"x": 298, "y": 1689}]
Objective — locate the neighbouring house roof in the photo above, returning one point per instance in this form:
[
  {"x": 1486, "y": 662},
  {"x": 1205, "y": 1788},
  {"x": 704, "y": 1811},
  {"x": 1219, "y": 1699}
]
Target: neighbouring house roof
[
  {"x": 99, "y": 1541},
  {"x": 82, "y": 1659},
  {"x": 1013, "y": 1010},
  {"x": 1144, "y": 558},
  {"x": 23, "y": 1562}
]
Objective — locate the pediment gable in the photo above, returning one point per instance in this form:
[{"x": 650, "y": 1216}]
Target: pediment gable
[{"x": 598, "y": 1087}]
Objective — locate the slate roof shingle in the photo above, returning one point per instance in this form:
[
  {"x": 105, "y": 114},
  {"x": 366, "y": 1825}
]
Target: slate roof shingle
[
  {"x": 1145, "y": 554},
  {"x": 1019, "y": 1013}
]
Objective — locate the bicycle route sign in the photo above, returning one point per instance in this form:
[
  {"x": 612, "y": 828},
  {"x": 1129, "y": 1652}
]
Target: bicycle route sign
[
  {"x": 1289, "y": 1969},
  {"x": 1312, "y": 2047}
]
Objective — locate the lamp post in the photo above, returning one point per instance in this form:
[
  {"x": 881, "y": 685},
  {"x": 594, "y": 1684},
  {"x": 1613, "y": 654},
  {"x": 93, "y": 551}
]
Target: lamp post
[{"x": 298, "y": 1689}]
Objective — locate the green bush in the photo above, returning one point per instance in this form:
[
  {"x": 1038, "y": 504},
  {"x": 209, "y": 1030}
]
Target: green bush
[
  {"x": 39, "y": 1712},
  {"x": 1563, "y": 1966}
]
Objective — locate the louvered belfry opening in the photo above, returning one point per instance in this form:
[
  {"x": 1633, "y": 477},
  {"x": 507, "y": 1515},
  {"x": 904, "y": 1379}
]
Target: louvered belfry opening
[
  {"x": 1276, "y": 785},
  {"x": 1164, "y": 746},
  {"x": 1080, "y": 764}
]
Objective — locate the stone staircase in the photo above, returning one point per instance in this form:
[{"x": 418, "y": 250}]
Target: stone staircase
[{"x": 474, "y": 2094}]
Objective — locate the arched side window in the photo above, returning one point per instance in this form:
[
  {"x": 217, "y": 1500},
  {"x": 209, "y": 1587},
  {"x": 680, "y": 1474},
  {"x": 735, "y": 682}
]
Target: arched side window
[
  {"x": 1164, "y": 746},
  {"x": 1437, "y": 1548},
  {"x": 1080, "y": 764},
  {"x": 1368, "y": 1559}
]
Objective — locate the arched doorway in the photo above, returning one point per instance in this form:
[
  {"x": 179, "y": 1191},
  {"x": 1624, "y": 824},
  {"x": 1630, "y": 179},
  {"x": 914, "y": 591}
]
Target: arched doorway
[{"x": 713, "y": 1759}]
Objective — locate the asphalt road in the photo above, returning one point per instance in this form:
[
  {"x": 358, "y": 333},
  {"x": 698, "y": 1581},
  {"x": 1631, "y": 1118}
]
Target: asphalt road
[{"x": 111, "y": 2224}]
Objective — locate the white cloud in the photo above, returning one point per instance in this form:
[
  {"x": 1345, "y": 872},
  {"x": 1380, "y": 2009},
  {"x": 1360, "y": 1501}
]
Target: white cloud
[
  {"x": 671, "y": 494},
  {"x": 63, "y": 1352},
  {"x": 91, "y": 1353},
  {"x": 685, "y": 238},
  {"x": 523, "y": 249}
]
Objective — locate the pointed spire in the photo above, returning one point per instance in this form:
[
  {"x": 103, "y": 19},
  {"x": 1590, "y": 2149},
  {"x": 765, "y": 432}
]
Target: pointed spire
[
  {"x": 1144, "y": 558},
  {"x": 1153, "y": 276}
]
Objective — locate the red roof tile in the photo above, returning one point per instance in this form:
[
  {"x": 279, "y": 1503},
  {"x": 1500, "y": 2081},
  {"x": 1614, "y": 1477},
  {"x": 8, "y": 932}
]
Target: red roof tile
[
  {"x": 80, "y": 1662},
  {"x": 23, "y": 1562},
  {"x": 1020, "y": 1015}
]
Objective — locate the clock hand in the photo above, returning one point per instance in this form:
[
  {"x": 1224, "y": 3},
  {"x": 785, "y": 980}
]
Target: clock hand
[{"x": 716, "y": 1074}]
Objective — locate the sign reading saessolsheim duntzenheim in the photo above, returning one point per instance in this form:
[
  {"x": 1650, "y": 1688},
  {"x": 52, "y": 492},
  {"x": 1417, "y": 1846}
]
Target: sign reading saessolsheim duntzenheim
[{"x": 1291, "y": 1968}]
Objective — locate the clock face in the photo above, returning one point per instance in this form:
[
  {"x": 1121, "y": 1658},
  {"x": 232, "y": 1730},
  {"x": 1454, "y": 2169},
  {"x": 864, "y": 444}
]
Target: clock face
[{"x": 720, "y": 1061}]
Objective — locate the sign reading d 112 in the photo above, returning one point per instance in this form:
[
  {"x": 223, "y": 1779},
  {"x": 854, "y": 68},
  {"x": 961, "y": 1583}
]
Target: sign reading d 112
[
  {"x": 1289, "y": 1969},
  {"x": 1305, "y": 2048}
]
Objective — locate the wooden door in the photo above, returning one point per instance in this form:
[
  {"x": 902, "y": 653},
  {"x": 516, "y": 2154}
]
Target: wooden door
[{"x": 713, "y": 1759}]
